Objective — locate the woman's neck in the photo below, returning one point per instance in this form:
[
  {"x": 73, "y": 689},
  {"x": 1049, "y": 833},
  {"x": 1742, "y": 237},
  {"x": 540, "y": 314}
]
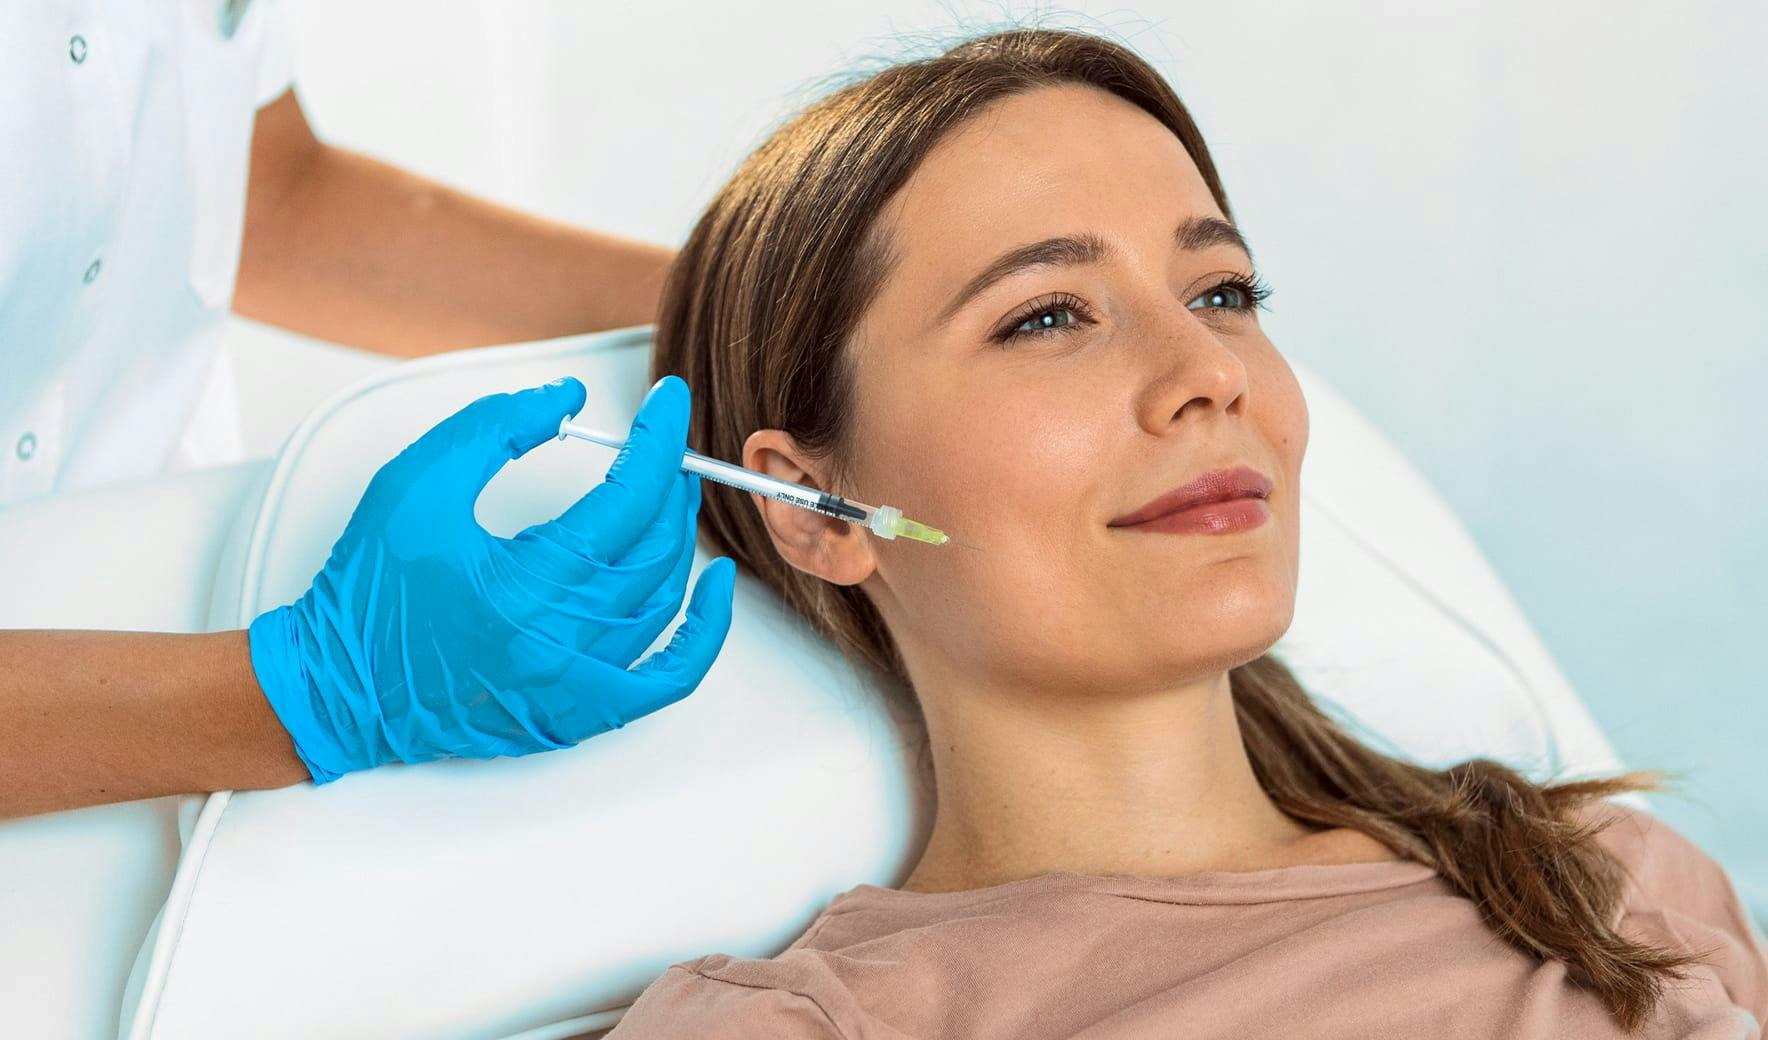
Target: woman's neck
[{"x": 1156, "y": 785}]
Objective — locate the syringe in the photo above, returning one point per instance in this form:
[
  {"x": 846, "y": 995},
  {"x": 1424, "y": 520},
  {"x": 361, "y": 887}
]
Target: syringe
[{"x": 883, "y": 521}]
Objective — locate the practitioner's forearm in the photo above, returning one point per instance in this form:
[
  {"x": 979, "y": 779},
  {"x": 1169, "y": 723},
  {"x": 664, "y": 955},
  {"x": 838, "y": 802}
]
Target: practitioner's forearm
[
  {"x": 94, "y": 717},
  {"x": 347, "y": 248}
]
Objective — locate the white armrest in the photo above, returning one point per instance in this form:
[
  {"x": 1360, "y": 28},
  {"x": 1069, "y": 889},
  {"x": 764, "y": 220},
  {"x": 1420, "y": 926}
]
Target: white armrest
[{"x": 78, "y": 890}]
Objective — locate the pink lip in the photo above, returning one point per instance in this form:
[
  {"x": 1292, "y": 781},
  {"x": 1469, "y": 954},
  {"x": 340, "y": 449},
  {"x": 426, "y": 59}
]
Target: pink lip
[
  {"x": 1236, "y": 514},
  {"x": 1220, "y": 501}
]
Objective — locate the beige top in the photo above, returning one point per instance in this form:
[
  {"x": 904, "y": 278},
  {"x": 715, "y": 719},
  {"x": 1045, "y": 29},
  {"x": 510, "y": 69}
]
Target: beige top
[{"x": 1354, "y": 950}]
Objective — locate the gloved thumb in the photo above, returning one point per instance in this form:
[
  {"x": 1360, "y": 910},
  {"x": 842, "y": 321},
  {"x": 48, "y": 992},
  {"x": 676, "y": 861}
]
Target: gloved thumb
[
  {"x": 674, "y": 671},
  {"x": 468, "y": 448},
  {"x": 617, "y": 512}
]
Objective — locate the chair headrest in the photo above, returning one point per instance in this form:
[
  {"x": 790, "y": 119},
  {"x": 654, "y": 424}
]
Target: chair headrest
[{"x": 486, "y": 898}]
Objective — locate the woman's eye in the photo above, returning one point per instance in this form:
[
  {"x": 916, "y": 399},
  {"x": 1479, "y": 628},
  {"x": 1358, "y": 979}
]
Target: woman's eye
[
  {"x": 1059, "y": 314},
  {"x": 1241, "y": 294},
  {"x": 1227, "y": 297},
  {"x": 1045, "y": 320}
]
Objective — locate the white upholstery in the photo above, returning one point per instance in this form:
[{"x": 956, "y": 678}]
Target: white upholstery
[
  {"x": 487, "y": 898},
  {"x": 79, "y": 889}
]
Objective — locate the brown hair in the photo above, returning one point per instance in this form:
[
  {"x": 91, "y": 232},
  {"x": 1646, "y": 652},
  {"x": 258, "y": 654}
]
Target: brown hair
[{"x": 755, "y": 317}]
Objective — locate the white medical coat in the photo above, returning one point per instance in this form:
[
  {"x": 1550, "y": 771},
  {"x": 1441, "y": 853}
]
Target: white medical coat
[{"x": 125, "y": 137}]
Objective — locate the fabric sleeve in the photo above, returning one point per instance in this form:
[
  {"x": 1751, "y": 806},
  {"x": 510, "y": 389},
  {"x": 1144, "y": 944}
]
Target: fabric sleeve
[
  {"x": 685, "y": 1003},
  {"x": 1676, "y": 887},
  {"x": 276, "y": 50}
]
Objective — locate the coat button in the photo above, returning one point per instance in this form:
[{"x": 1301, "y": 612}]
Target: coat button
[
  {"x": 77, "y": 49},
  {"x": 26, "y": 447},
  {"x": 92, "y": 270}
]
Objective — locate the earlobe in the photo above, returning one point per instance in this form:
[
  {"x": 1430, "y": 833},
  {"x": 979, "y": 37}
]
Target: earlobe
[{"x": 833, "y": 550}]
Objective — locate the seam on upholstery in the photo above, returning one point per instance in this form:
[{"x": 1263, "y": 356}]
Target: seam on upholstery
[
  {"x": 776, "y": 989},
  {"x": 177, "y": 939},
  {"x": 258, "y": 531},
  {"x": 1478, "y": 632},
  {"x": 293, "y": 451}
]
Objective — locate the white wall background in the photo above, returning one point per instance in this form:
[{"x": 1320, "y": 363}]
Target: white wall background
[{"x": 1528, "y": 239}]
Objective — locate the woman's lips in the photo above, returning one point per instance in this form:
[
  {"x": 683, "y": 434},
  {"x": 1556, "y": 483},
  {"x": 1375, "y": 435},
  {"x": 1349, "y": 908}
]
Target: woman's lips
[
  {"x": 1221, "y": 501},
  {"x": 1236, "y": 514}
]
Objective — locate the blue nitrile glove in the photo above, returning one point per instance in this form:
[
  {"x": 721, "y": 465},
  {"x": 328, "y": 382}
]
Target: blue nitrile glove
[{"x": 426, "y": 637}]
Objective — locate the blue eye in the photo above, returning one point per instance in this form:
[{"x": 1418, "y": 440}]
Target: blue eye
[
  {"x": 1221, "y": 296},
  {"x": 1060, "y": 313},
  {"x": 1239, "y": 293},
  {"x": 1045, "y": 320}
]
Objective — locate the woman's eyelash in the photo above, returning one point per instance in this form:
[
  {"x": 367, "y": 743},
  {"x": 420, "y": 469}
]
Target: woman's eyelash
[
  {"x": 1044, "y": 305},
  {"x": 1257, "y": 292},
  {"x": 1250, "y": 286}
]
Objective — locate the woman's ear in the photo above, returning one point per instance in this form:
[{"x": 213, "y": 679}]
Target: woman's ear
[{"x": 833, "y": 550}]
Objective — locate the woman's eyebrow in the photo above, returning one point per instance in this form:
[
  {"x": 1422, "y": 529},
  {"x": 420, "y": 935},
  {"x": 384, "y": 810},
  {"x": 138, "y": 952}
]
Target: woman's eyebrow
[{"x": 1192, "y": 235}]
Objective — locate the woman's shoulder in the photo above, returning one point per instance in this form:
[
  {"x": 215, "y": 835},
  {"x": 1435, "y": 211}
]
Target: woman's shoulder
[
  {"x": 1661, "y": 865},
  {"x": 1676, "y": 894}
]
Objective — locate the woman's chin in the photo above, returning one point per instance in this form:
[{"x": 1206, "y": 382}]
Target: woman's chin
[
  {"x": 1247, "y": 592},
  {"x": 1225, "y": 634}
]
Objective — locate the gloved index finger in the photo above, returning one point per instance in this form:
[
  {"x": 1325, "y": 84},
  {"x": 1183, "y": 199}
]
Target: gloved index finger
[
  {"x": 617, "y": 511},
  {"x": 456, "y": 458}
]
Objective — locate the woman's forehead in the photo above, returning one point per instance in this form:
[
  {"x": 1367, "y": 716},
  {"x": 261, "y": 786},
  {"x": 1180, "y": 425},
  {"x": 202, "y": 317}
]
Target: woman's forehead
[{"x": 1057, "y": 160}]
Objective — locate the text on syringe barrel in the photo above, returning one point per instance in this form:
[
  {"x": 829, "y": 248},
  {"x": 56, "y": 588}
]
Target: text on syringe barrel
[{"x": 772, "y": 487}]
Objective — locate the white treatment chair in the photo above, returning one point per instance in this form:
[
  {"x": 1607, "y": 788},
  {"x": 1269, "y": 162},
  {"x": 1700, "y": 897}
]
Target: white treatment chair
[{"x": 536, "y": 897}]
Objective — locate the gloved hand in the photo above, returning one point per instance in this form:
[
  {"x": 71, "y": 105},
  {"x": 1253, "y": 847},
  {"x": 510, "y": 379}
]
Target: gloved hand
[{"x": 426, "y": 637}]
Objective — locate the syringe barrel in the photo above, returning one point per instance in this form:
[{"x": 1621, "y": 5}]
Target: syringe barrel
[
  {"x": 747, "y": 479},
  {"x": 740, "y": 478},
  {"x": 773, "y": 487}
]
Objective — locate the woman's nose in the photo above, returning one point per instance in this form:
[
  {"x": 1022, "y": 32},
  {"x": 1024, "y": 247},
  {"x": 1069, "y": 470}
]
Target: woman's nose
[{"x": 1190, "y": 368}]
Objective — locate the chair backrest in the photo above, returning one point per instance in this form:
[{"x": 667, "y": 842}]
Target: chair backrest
[{"x": 489, "y": 898}]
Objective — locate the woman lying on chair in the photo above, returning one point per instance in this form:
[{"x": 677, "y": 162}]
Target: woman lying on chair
[{"x": 1002, "y": 289}]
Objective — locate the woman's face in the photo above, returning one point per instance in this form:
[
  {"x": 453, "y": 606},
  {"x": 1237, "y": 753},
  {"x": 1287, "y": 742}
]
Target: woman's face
[{"x": 1025, "y": 416}]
